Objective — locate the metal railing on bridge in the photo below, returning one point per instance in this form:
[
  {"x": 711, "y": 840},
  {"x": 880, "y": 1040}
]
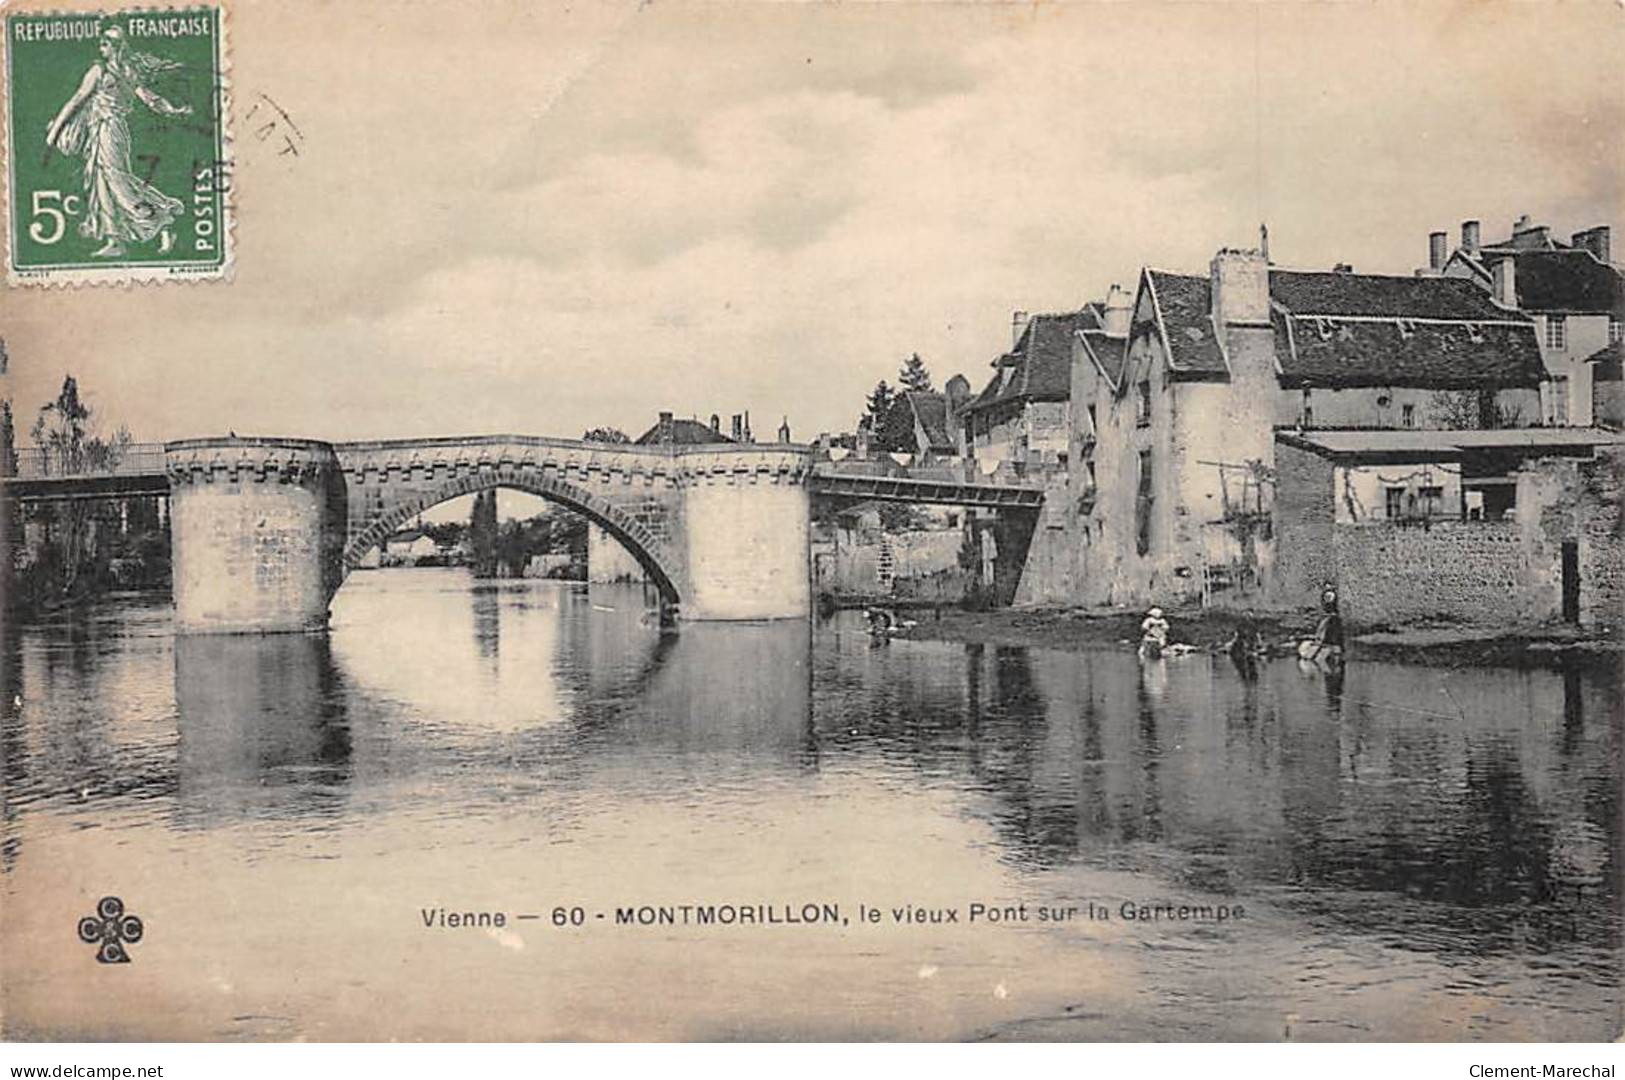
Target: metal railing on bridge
[
  {"x": 46, "y": 474},
  {"x": 955, "y": 481},
  {"x": 133, "y": 459}
]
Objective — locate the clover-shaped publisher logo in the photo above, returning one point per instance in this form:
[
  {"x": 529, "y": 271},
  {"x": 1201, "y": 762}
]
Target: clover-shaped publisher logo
[{"x": 110, "y": 929}]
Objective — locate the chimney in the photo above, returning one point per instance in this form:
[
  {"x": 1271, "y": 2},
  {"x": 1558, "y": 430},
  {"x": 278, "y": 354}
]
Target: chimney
[
  {"x": 1504, "y": 290},
  {"x": 739, "y": 428},
  {"x": 1240, "y": 282},
  {"x": 748, "y": 436},
  {"x": 1469, "y": 237},
  {"x": 664, "y": 433},
  {"x": 1240, "y": 286},
  {"x": 1343, "y": 268},
  {"x": 784, "y": 430},
  {"x": 1436, "y": 250},
  {"x": 1119, "y": 306},
  {"x": 1018, "y": 326},
  {"x": 1526, "y": 234},
  {"x": 1595, "y": 241},
  {"x": 716, "y": 423}
]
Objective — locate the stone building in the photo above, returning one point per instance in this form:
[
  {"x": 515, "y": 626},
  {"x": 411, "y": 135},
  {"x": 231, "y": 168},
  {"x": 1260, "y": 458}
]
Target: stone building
[
  {"x": 1020, "y": 416},
  {"x": 1498, "y": 527},
  {"x": 1574, "y": 291},
  {"x": 1175, "y": 420}
]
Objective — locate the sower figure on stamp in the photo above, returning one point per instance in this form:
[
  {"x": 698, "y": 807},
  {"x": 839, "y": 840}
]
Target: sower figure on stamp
[{"x": 120, "y": 207}]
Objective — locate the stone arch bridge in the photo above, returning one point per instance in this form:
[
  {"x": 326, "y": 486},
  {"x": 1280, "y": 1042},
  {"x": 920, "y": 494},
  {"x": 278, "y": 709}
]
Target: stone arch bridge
[{"x": 264, "y": 530}]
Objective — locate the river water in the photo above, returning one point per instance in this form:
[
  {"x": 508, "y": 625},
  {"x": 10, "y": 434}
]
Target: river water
[{"x": 1415, "y": 852}]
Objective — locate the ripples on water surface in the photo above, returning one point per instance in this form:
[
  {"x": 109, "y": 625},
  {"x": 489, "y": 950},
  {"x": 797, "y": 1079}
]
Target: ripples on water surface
[{"x": 1421, "y": 853}]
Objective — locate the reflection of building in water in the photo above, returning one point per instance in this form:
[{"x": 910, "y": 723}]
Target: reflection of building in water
[
  {"x": 1414, "y": 786},
  {"x": 262, "y": 727}
]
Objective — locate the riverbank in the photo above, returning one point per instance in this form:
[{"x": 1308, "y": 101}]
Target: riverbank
[{"x": 1442, "y": 644}]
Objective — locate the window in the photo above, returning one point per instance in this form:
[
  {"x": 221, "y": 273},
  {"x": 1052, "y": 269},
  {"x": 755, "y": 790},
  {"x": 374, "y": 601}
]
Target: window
[
  {"x": 1142, "y": 506},
  {"x": 1407, "y": 415},
  {"x": 1142, "y": 415},
  {"x": 1613, "y": 330},
  {"x": 1306, "y": 417},
  {"x": 1430, "y": 501},
  {"x": 1557, "y": 332},
  {"x": 1089, "y": 466},
  {"x": 1557, "y": 401},
  {"x": 1394, "y": 502}
]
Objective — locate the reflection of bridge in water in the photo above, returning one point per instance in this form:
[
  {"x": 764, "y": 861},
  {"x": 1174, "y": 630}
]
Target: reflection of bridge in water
[{"x": 264, "y": 530}]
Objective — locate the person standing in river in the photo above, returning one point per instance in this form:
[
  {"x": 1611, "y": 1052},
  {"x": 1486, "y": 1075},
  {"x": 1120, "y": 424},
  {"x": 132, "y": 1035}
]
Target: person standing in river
[{"x": 120, "y": 207}]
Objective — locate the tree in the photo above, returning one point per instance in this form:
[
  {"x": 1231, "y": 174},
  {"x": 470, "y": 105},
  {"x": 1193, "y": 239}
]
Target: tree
[
  {"x": 65, "y": 434},
  {"x": 878, "y": 406},
  {"x": 1469, "y": 410},
  {"x": 8, "y": 440},
  {"x": 482, "y": 528},
  {"x": 913, "y": 374},
  {"x": 605, "y": 435}
]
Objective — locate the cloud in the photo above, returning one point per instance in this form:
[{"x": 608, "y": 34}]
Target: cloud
[{"x": 540, "y": 219}]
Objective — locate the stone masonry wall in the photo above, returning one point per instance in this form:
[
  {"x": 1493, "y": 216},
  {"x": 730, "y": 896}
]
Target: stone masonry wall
[
  {"x": 1304, "y": 511},
  {"x": 1473, "y": 571}
]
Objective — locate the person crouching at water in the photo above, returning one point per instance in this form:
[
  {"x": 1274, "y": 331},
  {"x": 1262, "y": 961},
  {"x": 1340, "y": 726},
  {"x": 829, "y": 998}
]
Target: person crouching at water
[
  {"x": 1153, "y": 633},
  {"x": 1246, "y": 642},
  {"x": 1327, "y": 644}
]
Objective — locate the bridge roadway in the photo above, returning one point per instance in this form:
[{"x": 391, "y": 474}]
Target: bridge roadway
[
  {"x": 142, "y": 470},
  {"x": 263, "y": 530}
]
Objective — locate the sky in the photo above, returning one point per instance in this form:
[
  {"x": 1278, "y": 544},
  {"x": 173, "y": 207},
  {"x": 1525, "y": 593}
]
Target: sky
[{"x": 531, "y": 218}]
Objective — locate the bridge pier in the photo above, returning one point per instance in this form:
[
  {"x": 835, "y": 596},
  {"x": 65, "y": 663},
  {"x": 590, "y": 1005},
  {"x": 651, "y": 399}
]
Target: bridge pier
[
  {"x": 257, "y": 530},
  {"x": 748, "y": 542}
]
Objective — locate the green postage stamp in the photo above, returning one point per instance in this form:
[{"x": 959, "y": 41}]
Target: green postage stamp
[{"x": 117, "y": 146}]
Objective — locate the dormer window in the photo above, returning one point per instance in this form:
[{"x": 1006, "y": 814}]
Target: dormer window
[
  {"x": 1406, "y": 329},
  {"x": 1324, "y": 328},
  {"x": 1475, "y": 333}
]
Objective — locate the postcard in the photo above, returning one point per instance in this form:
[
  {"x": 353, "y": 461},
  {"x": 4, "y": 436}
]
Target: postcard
[{"x": 682, "y": 521}]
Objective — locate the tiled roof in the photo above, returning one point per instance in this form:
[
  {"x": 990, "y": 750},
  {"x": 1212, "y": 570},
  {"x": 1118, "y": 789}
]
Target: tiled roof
[
  {"x": 1184, "y": 304},
  {"x": 1039, "y": 368},
  {"x": 1344, "y": 353},
  {"x": 1110, "y": 352},
  {"x": 1307, "y": 292},
  {"x": 1344, "y": 329},
  {"x": 931, "y": 409},
  {"x": 1568, "y": 281},
  {"x": 682, "y": 433},
  {"x": 1608, "y": 360}
]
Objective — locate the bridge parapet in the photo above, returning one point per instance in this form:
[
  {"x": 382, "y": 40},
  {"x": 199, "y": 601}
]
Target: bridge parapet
[{"x": 288, "y": 461}]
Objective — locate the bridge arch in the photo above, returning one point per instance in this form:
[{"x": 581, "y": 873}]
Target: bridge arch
[{"x": 655, "y": 557}]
